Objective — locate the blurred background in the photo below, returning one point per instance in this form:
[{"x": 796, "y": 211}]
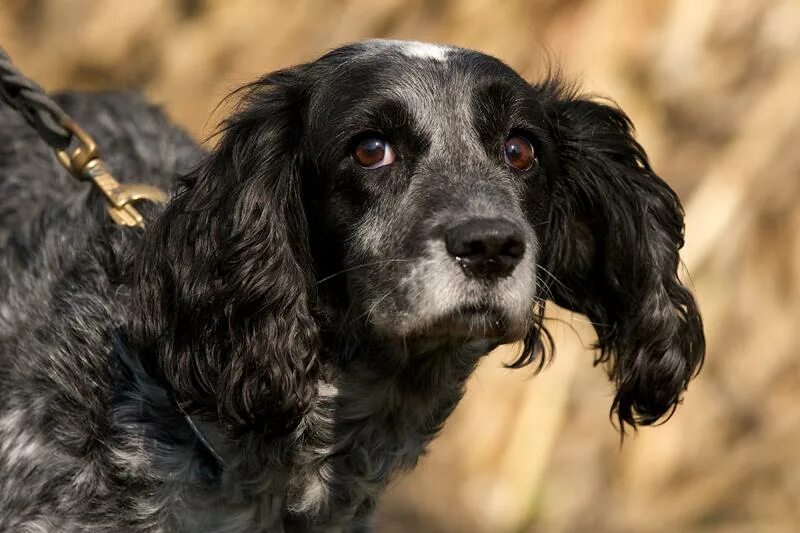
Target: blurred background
[{"x": 713, "y": 87}]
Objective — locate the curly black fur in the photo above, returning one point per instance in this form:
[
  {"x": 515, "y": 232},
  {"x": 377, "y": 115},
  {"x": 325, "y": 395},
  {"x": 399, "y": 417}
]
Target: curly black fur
[
  {"x": 243, "y": 280},
  {"x": 305, "y": 311},
  {"x": 613, "y": 246}
]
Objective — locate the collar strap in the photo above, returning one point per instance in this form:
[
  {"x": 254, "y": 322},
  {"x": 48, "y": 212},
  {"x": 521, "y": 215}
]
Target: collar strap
[
  {"x": 136, "y": 371},
  {"x": 199, "y": 435}
]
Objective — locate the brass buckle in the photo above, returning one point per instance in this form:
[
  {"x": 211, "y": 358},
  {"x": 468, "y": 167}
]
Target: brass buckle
[{"x": 84, "y": 163}]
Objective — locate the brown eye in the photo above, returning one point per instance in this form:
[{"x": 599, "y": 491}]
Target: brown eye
[
  {"x": 373, "y": 152},
  {"x": 518, "y": 153}
]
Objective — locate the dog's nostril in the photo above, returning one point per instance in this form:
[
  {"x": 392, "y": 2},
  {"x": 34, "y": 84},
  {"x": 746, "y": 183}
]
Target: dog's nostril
[
  {"x": 486, "y": 247},
  {"x": 514, "y": 248}
]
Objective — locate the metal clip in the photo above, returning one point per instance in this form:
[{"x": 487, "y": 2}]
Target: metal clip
[{"x": 85, "y": 164}]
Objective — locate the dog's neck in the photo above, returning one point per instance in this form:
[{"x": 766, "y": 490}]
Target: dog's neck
[{"x": 375, "y": 414}]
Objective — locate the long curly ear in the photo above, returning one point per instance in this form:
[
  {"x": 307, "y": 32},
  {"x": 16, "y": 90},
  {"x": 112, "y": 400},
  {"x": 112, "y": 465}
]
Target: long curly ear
[
  {"x": 224, "y": 278},
  {"x": 614, "y": 235}
]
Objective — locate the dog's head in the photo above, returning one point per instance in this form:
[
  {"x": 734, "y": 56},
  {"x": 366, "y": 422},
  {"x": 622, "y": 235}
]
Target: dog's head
[{"x": 424, "y": 196}]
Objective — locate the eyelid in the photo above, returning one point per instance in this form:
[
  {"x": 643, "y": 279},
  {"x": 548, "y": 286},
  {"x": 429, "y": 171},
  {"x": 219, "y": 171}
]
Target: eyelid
[
  {"x": 535, "y": 134},
  {"x": 524, "y": 133},
  {"x": 363, "y": 135}
]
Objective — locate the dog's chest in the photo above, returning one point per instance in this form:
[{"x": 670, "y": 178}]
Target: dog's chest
[
  {"x": 345, "y": 452},
  {"x": 356, "y": 439},
  {"x": 343, "y": 455}
]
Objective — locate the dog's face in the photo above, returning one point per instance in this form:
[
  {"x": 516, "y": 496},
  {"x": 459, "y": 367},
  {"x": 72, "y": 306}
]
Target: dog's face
[
  {"x": 414, "y": 195},
  {"x": 428, "y": 171}
]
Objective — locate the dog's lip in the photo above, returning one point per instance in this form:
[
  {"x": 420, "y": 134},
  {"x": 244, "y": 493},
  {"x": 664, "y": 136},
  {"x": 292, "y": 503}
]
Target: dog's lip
[{"x": 469, "y": 322}]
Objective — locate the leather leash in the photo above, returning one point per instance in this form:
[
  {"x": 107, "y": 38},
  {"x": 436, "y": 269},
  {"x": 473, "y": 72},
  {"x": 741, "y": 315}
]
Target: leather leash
[{"x": 61, "y": 133}]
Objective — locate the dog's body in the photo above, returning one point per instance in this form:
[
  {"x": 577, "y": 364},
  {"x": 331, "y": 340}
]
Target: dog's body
[{"x": 318, "y": 290}]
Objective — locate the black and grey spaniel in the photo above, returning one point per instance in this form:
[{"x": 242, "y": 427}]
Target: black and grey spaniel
[{"x": 295, "y": 326}]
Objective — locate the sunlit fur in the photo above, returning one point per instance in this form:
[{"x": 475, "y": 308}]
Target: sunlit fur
[{"x": 304, "y": 310}]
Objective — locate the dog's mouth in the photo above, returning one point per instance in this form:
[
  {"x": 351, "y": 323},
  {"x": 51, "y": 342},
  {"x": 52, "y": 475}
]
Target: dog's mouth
[{"x": 469, "y": 323}]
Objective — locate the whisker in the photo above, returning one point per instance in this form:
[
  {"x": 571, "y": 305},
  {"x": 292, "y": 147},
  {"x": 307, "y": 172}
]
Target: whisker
[
  {"x": 587, "y": 321},
  {"x": 356, "y": 267},
  {"x": 545, "y": 288},
  {"x": 569, "y": 325},
  {"x": 342, "y": 329},
  {"x": 573, "y": 318},
  {"x": 375, "y": 305},
  {"x": 687, "y": 274},
  {"x": 541, "y": 301},
  {"x": 543, "y": 269}
]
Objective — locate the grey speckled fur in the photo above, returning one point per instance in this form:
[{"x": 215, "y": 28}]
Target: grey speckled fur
[{"x": 307, "y": 309}]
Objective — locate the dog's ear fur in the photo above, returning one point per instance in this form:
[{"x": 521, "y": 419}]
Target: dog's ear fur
[
  {"x": 612, "y": 251},
  {"x": 224, "y": 279}
]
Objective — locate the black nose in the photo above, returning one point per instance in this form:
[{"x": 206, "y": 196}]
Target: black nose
[{"x": 486, "y": 248}]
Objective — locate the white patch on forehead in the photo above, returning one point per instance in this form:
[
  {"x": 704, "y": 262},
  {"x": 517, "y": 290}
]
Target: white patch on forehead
[
  {"x": 416, "y": 48},
  {"x": 425, "y": 50}
]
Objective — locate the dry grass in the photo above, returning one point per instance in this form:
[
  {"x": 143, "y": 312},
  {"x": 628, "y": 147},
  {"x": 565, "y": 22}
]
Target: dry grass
[{"x": 712, "y": 87}]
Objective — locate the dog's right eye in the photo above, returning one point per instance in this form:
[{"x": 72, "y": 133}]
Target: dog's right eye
[{"x": 373, "y": 152}]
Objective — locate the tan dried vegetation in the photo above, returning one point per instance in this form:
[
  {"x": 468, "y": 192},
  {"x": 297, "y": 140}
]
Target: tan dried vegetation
[{"x": 714, "y": 89}]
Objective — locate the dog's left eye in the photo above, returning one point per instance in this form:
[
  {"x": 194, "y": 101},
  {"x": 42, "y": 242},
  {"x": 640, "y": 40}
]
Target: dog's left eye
[
  {"x": 373, "y": 152},
  {"x": 518, "y": 153}
]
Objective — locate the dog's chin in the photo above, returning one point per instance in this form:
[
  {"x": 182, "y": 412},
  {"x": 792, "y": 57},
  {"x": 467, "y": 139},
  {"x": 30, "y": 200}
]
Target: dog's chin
[{"x": 470, "y": 326}]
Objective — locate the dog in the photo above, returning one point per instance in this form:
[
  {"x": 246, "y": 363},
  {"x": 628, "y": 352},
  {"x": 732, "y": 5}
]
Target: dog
[{"x": 296, "y": 324}]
